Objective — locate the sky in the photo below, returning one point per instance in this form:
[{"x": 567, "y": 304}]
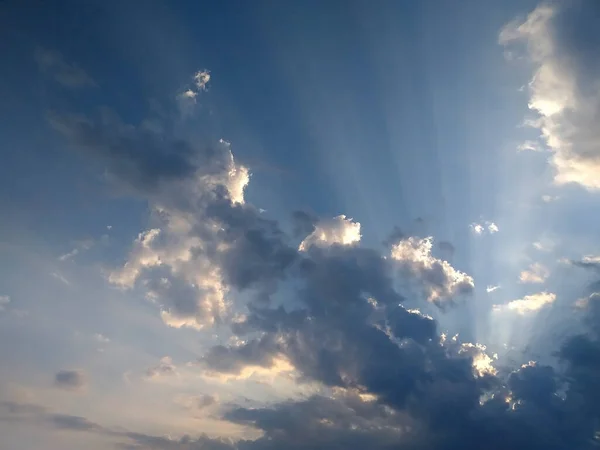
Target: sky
[{"x": 307, "y": 225}]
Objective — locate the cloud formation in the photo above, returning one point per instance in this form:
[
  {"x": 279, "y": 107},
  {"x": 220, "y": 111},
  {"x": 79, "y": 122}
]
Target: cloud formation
[
  {"x": 187, "y": 99},
  {"x": 439, "y": 279},
  {"x": 561, "y": 40},
  {"x": 70, "y": 380},
  {"x": 387, "y": 378}
]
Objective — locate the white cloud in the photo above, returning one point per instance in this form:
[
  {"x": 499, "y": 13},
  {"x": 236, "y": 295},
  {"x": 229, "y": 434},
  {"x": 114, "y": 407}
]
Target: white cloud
[
  {"x": 532, "y": 146},
  {"x": 482, "y": 362},
  {"x": 481, "y": 228},
  {"x": 187, "y": 99},
  {"x": 339, "y": 230},
  {"x": 202, "y": 77},
  {"x": 591, "y": 259},
  {"x": 529, "y": 303},
  {"x": 4, "y": 300},
  {"x": 441, "y": 280},
  {"x": 536, "y": 273},
  {"x": 563, "y": 90},
  {"x": 477, "y": 228},
  {"x": 550, "y": 198}
]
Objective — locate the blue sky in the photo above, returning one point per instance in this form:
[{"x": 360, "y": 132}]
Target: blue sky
[{"x": 218, "y": 215}]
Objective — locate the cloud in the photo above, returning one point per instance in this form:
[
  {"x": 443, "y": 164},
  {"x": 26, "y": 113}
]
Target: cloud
[
  {"x": 165, "y": 368},
  {"x": 532, "y": 146},
  {"x": 339, "y": 230},
  {"x": 385, "y": 377},
  {"x": 68, "y": 255},
  {"x": 202, "y": 401},
  {"x": 101, "y": 338},
  {"x": 492, "y": 227},
  {"x": 550, "y": 198},
  {"x": 440, "y": 280},
  {"x": 121, "y": 438},
  {"x": 544, "y": 245},
  {"x": 188, "y": 263},
  {"x": 529, "y": 303},
  {"x": 561, "y": 40},
  {"x": 61, "y": 278},
  {"x": 303, "y": 223},
  {"x": 80, "y": 246},
  {"x": 69, "y": 75},
  {"x": 187, "y": 99},
  {"x": 537, "y": 273},
  {"x": 4, "y": 300},
  {"x": 481, "y": 228},
  {"x": 233, "y": 359},
  {"x": 70, "y": 380},
  {"x": 138, "y": 158},
  {"x": 202, "y": 77}
]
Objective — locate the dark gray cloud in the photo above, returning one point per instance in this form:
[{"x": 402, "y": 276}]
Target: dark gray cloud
[
  {"x": 70, "y": 379},
  {"x": 303, "y": 223},
  {"x": 429, "y": 393},
  {"x": 256, "y": 352},
  {"x": 258, "y": 242},
  {"x": 345, "y": 421},
  {"x": 136, "y": 157},
  {"x": 70, "y": 75}
]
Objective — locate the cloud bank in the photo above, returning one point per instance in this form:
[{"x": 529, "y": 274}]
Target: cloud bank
[
  {"x": 387, "y": 377},
  {"x": 561, "y": 41}
]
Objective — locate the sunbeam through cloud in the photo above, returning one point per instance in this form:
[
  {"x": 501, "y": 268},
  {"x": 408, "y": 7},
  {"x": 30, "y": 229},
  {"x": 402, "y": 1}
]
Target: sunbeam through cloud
[{"x": 333, "y": 225}]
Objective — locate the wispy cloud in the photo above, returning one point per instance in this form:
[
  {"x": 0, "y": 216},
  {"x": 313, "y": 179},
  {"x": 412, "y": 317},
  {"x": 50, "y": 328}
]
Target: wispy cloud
[
  {"x": 61, "y": 278},
  {"x": 4, "y": 301},
  {"x": 68, "y": 74}
]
